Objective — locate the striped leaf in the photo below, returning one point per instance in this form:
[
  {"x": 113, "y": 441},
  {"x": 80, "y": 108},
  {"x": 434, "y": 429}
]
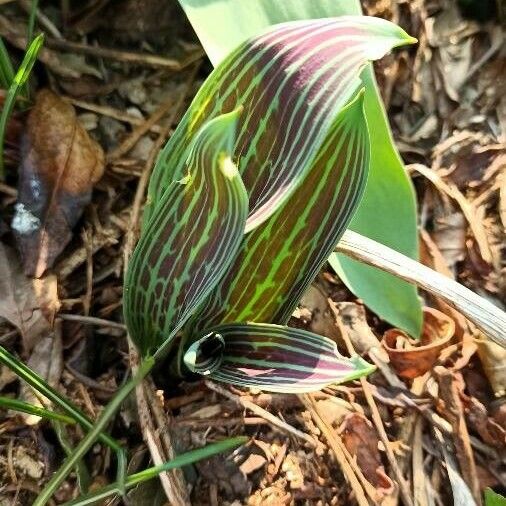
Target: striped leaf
[
  {"x": 279, "y": 259},
  {"x": 291, "y": 80},
  {"x": 272, "y": 357},
  {"x": 188, "y": 243}
]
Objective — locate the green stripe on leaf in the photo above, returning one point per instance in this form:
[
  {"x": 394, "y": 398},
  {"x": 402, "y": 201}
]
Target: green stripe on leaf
[{"x": 187, "y": 245}]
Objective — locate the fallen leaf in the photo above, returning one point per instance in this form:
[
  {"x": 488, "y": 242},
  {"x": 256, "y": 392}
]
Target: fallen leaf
[
  {"x": 29, "y": 304},
  {"x": 60, "y": 163},
  {"x": 361, "y": 441},
  {"x": 411, "y": 358}
]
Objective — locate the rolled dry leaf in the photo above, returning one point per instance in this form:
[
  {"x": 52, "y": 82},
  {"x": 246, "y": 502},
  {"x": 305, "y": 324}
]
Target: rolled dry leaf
[
  {"x": 411, "y": 358},
  {"x": 361, "y": 441}
]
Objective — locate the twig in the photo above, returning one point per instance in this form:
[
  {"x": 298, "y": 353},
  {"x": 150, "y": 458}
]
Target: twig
[
  {"x": 173, "y": 482},
  {"x": 274, "y": 420},
  {"x": 91, "y": 320},
  {"x": 378, "y": 422},
  {"x": 138, "y": 132},
  {"x": 357, "y": 485},
  {"x": 454, "y": 411},
  {"x": 489, "y": 318},
  {"x": 116, "y": 54}
]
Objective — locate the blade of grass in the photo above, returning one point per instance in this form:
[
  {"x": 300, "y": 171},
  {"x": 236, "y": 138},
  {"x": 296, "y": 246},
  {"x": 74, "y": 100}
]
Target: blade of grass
[
  {"x": 82, "y": 474},
  {"x": 39, "y": 385},
  {"x": 31, "y": 20},
  {"x": 6, "y": 69},
  {"x": 25, "y": 407},
  {"x": 16, "y": 85},
  {"x": 90, "y": 438},
  {"x": 150, "y": 473}
]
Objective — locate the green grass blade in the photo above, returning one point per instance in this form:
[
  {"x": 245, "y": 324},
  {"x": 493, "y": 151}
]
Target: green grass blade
[
  {"x": 6, "y": 69},
  {"x": 25, "y": 407},
  {"x": 148, "y": 474},
  {"x": 39, "y": 385},
  {"x": 90, "y": 438},
  {"x": 17, "y": 84},
  {"x": 31, "y": 20}
]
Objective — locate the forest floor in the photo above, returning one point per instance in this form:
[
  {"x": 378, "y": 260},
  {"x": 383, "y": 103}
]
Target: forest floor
[{"x": 407, "y": 435}]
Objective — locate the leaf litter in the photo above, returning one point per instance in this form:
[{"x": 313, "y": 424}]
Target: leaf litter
[{"x": 445, "y": 420}]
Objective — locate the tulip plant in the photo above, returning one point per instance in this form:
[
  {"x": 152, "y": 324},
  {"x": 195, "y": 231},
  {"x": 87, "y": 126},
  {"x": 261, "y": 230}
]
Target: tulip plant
[{"x": 247, "y": 201}]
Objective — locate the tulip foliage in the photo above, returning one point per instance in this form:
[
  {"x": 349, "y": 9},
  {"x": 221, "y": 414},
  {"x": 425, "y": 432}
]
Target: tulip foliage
[{"x": 249, "y": 198}]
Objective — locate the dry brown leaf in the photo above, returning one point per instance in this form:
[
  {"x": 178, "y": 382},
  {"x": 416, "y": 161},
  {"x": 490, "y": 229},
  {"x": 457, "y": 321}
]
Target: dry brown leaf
[
  {"x": 60, "y": 164},
  {"x": 411, "y": 358},
  {"x": 30, "y": 305},
  {"x": 361, "y": 441}
]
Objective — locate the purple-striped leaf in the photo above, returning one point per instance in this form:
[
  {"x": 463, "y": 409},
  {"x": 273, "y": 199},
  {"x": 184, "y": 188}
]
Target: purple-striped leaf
[
  {"x": 292, "y": 80},
  {"x": 272, "y": 357},
  {"x": 188, "y": 244}
]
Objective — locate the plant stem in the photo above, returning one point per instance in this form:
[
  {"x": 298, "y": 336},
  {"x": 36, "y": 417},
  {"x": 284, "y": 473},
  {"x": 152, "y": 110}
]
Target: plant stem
[
  {"x": 150, "y": 473},
  {"x": 489, "y": 318},
  {"x": 6, "y": 70},
  {"x": 31, "y": 20},
  {"x": 25, "y": 407},
  {"x": 108, "y": 412}
]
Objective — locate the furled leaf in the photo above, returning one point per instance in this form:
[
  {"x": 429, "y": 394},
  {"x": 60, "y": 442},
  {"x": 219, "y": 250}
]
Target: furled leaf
[
  {"x": 292, "y": 80},
  {"x": 279, "y": 259},
  {"x": 387, "y": 212},
  {"x": 272, "y": 357},
  {"x": 60, "y": 163},
  {"x": 29, "y": 304},
  {"x": 494, "y": 499},
  {"x": 190, "y": 239}
]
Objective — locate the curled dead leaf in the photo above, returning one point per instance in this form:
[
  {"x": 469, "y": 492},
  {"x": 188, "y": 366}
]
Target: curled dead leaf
[
  {"x": 361, "y": 441},
  {"x": 493, "y": 360},
  {"x": 60, "y": 163},
  {"x": 412, "y": 358}
]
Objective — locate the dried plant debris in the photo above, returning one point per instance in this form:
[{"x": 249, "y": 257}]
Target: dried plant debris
[{"x": 60, "y": 163}]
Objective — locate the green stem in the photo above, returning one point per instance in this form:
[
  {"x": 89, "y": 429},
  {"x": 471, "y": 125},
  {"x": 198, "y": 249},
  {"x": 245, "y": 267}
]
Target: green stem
[
  {"x": 82, "y": 474},
  {"x": 6, "y": 69},
  {"x": 16, "y": 85},
  {"x": 25, "y": 407},
  {"x": 150, "y": 473},
  {"x": 31, "y": 20},
  {"x": 108, "y": 412}
]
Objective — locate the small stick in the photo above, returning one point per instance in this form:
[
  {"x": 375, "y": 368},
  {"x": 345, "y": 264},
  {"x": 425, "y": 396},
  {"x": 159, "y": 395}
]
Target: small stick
[
  {"x": 111, "y": 112},
  {"x": 338, "y": 448},
  {"x": 274, "y": 420},
  {"x": 116, "y": 54},
  {"x": 378, "y": 422},
  {"x": 489, "y": 318},
  {"x": 91, "y": 320}
]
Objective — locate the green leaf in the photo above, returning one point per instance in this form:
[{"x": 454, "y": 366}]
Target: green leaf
[
  {"x": 182, "y": 460},
  {"x": 279, "y": 259},
  {"x": 291, "y": 80},
  {"x": 17, "y": 83},
  {"x": 494, "y": 499},
  {"x": 25, "y": 407},
  {"x": 272, "y": 357},
  {"x": 387, "y": 212},
  {"x": 193, "y": 234}
]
